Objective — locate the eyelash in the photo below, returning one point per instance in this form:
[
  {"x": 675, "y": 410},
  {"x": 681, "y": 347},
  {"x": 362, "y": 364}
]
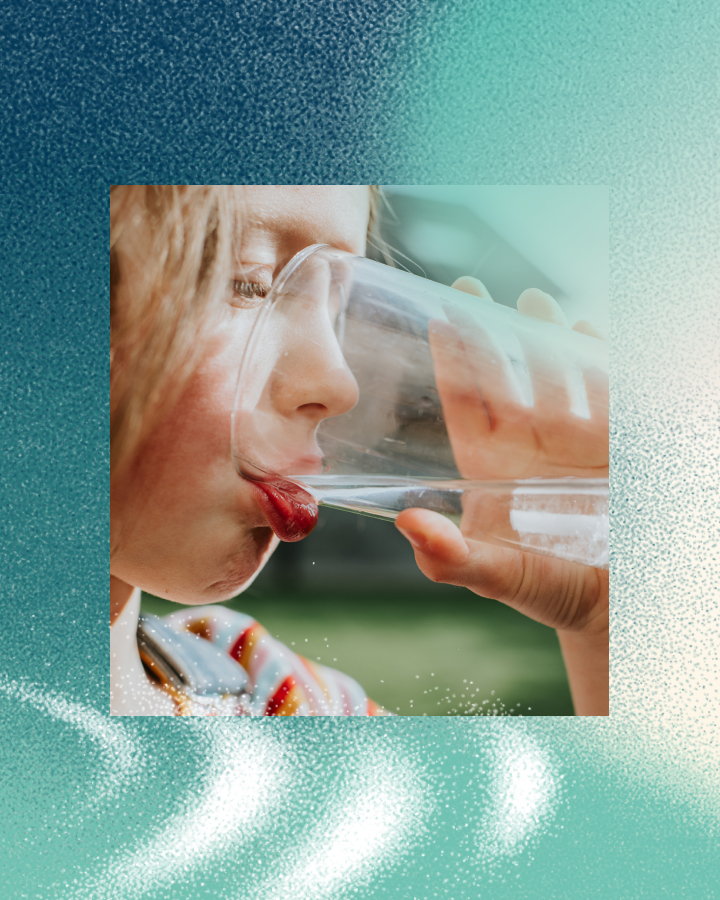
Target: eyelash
[{"x": 250, "y": 291}]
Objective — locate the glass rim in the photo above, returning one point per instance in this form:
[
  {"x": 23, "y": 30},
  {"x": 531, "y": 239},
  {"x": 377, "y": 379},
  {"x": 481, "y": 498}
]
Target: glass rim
[
  {"x": 257, "y": 329},
  {"x": 293, "y": 264}
]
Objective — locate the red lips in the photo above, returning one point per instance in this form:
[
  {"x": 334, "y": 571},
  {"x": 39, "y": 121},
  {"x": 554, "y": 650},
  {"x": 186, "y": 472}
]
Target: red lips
[{"x": 291, "y": 511}]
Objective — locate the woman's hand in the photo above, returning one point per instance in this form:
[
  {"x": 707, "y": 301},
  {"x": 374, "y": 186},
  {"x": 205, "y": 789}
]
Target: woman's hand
[{"x": 495, "y": 437}]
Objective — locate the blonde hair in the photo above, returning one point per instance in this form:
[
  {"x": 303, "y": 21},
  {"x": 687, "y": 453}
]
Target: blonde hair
[{"x": 157, "y": 336}]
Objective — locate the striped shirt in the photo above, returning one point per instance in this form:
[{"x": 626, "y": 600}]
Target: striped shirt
[{"x": 214, "y": 661}]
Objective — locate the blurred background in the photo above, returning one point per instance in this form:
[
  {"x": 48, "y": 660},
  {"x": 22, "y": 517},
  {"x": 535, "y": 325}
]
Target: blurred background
[{"x": 350, "y": 595}]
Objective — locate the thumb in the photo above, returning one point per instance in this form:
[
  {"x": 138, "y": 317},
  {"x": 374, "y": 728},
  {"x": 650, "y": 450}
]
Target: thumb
[
  {"x": 444, "y": 555},
  {"x": 555, "y": 592}
]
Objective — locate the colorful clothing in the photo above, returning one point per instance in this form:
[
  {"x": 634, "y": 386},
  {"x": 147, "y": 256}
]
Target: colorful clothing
[{"x": 217, "y": 662}]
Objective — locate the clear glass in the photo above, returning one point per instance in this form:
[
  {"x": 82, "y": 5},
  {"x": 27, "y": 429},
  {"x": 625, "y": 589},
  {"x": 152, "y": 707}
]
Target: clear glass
[{"x": 376, "y": 390}]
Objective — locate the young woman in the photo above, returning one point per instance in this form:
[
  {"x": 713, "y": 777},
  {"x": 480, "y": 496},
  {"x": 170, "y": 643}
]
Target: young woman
[{"x": 190, "y": 266}]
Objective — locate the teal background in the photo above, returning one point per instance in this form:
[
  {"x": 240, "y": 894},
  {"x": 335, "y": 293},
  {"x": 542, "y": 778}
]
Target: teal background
[{"x": 499, "y": 93}]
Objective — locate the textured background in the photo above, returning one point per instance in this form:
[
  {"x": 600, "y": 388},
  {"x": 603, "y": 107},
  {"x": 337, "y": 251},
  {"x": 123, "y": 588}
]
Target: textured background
[{"x": 623, "y": 94}]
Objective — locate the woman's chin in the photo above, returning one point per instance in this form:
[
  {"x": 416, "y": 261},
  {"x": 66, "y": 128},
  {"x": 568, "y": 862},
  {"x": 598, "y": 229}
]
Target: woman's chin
[
  {"x": 243, "y": 570},
  {"x": 193, "y": 583}
]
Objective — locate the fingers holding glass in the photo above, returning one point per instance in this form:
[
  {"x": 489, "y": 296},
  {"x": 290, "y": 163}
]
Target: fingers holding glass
[
  {"x": 517, "y": 402},
  {"x": 483, "y": 413}
]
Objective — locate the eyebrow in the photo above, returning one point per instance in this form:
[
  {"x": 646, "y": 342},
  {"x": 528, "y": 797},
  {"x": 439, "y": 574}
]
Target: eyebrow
[{"x": 283, "y": 227}]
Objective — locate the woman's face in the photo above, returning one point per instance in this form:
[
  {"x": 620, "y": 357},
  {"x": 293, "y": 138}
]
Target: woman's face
[{"x": 184, "y": 524}]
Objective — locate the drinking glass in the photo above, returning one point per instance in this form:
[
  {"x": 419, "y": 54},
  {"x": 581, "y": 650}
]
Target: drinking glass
[{"x": 366, "y": 388}]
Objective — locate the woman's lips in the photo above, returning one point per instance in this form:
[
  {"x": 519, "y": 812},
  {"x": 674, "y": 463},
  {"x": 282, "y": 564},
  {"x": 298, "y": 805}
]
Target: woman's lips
[{"x": 291, "y": 511}]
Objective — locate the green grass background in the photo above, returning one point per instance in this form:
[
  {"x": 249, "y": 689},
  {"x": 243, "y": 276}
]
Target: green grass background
[{"x": 416, "y": 647}]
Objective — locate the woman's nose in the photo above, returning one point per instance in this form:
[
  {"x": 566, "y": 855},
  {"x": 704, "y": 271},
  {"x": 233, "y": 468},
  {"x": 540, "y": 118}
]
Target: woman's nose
[{"x": 312, "y": 378}]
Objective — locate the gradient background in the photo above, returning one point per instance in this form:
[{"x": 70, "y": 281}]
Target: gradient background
[{"x": 624, "y": 95}]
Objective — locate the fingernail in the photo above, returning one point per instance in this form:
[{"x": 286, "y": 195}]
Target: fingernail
[{"x": 416, "y": 539}]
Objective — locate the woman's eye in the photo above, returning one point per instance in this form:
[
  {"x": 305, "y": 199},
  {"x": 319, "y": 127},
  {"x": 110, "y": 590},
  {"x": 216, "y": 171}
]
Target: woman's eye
[{"x": 248, "y": 293}]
